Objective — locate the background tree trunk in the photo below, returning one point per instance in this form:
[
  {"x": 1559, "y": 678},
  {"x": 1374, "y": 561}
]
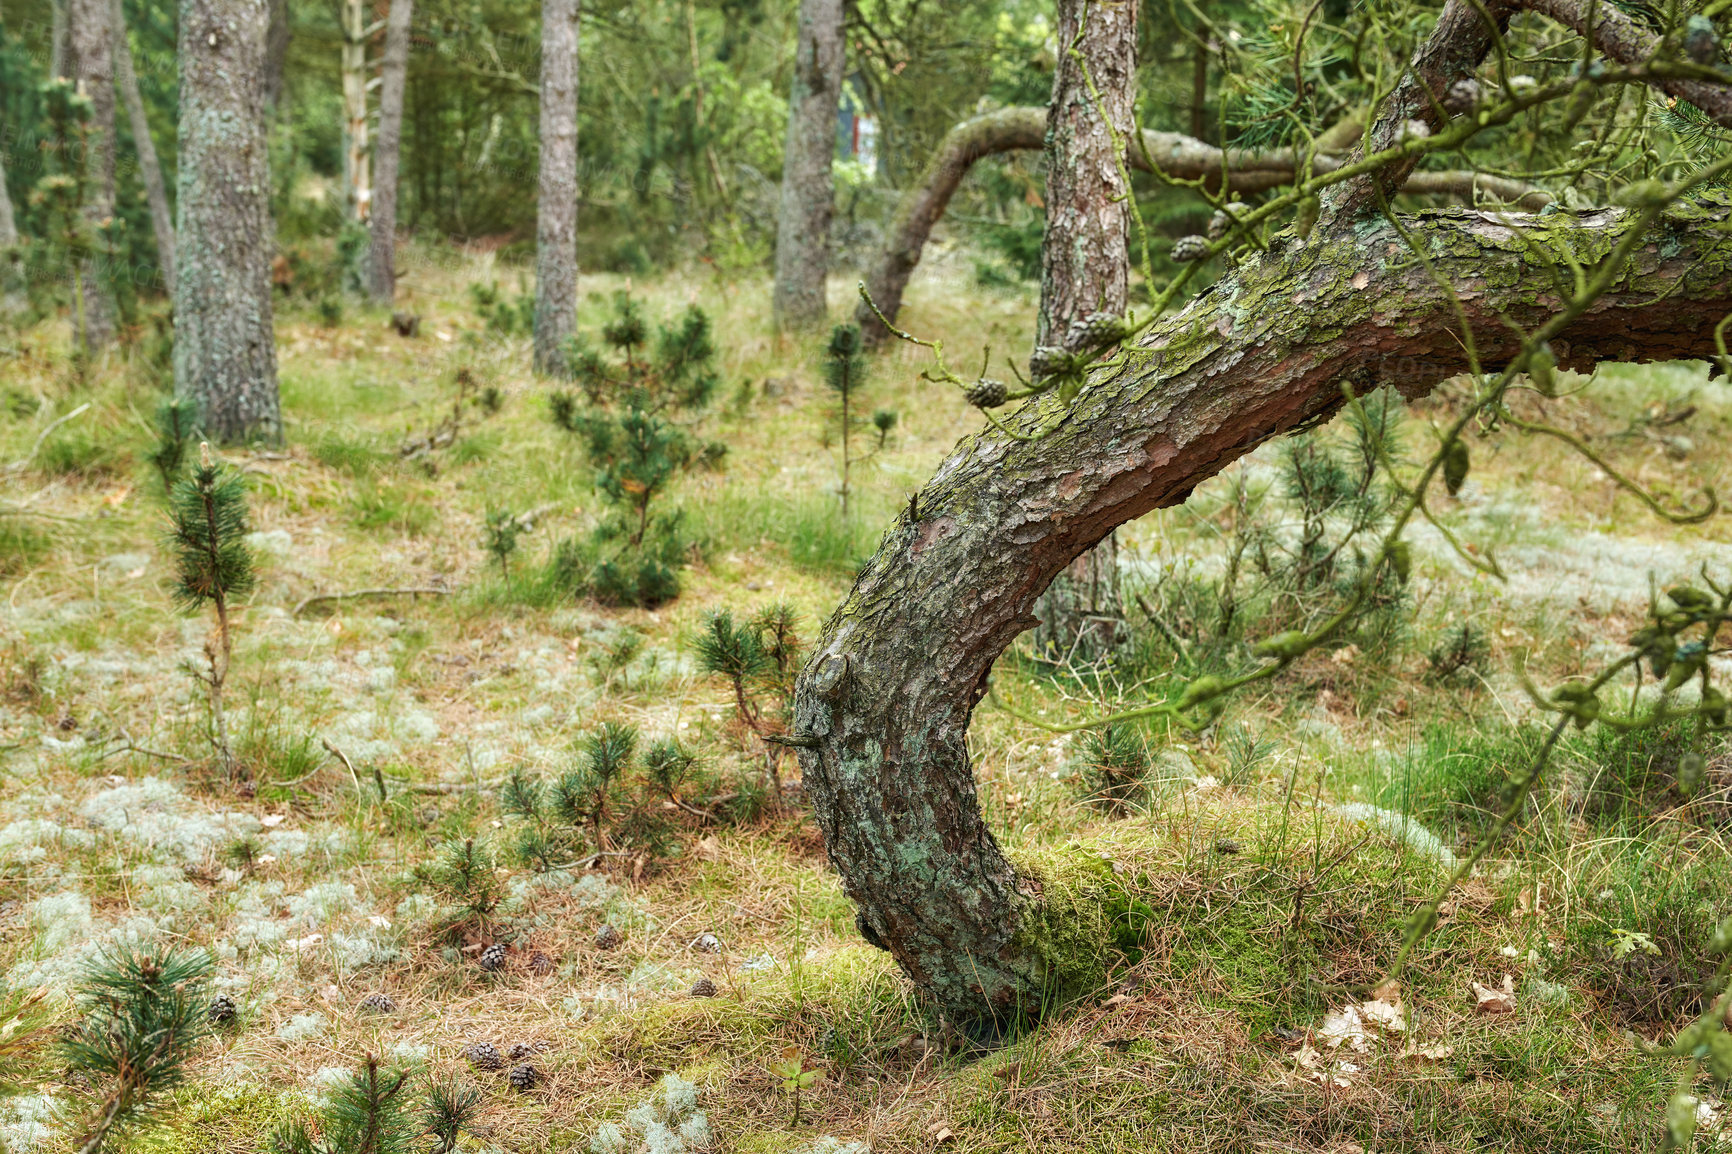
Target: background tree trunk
[
  {"x": 1024, "y": 129},
  {"x": 59, "y": 48},
  {"x": 12, "y": 298},
  {"x": 1085, "y": 269},
  {"x": 808, "y": 188},
  {"x": 225, "y": 356},
  {"x": 90, "y": 36},
  {"x": 357, "y": 153},
  {"x": 149, "y": 170},
  {"x": 883, "y": 704},
  {"x": 381, "y": 269},
  {"x": 276, "y": 52},
  {"x": 556, "y": 209}
]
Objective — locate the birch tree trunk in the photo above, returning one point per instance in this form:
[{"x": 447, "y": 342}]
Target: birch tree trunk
[
  {"x": 149, "y": 170},
  {"x": 1084, "y": 270},
  {"x": 357, "y": 153},
  {"x": 90, "y": 50},
  {"x": 382, "y": 273},
  {"x": 556, "y": 207},
  {"x": 808, "y": 187},
  {"x": 225, "y": 356}
]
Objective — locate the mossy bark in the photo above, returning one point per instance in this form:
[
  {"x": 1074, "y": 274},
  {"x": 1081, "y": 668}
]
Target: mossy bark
[
  {"x": 90, "y": 34},
  {"x": 225, "y": 357},
  {"x": 883, "y": 705},
  {"x": 393, "y": 71},
  {"x": 556, "y": 207},
  {"x": 808, "y": 189}
]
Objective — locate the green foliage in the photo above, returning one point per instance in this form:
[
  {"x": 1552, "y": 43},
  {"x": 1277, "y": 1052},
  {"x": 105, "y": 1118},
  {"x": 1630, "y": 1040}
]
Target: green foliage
[
  {"x": 610, "y": 800},
  {"x": 176, "y": 430},
  {"x": 624, "y": 423},
  {"x": 1114, "y": 768},
  {"x": 845, "y": 373},
  {"x": 21, "y": 544},
  {"x": 506, "y": 318},
  {"x": 499, "y": 535},
  {"x": 757, "y": 658},
  {"x": 369, "y": 1112},
  {"x": 143, "y": 1013},
  {"x": 26, "y": 1031},
  {"x": 207, "y": 531},
  {"x": 463, "y": 876},
  {"x": 1459, "y": 654}
]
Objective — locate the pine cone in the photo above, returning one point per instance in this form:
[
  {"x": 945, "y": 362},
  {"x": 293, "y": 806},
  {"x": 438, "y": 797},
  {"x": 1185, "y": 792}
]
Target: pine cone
[
  {"x": 1226, "y": 845},
  {"x": 703, "y": 988},
  {"x": 378, "y": 1003},
  {"x": 222, "y": 1010},
  {"x": 606, "y": 938},
  {"x": 1098, "y": 331},
  {"x": 986, "y": 393},
  {"x": 524, "y": 1077},
  {"x": 1189, "y": 248},
  {"x": 1462, "y": 97},
  {"x": 1222, "y": 221},
  {"x": 521, "y": 1050},
  {"x": 484, "y": 1057},
  {"x": 493, "y": 958},
  {"x": 1051, "y": 362},
  {"x": 540, "y": 964}
]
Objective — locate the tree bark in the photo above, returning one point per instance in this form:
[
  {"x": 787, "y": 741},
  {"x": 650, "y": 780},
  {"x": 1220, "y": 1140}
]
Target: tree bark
[
  {"x": 1023, "y": 129},
  {"x": 8, "y": 222},
  {"x": 1085, "y": 268},
  {"x": 149, "y": 170},
  {"x": 556, "y": 208},
  {"x": 12, "y": 299},
  {"x": 357, "y": 154},
  {"x": 382, "y": 274},
  {"x": 225, "y": 357},
  {"x": 808, "y": 188},
  {"x": 59, "y": 50},
  {"x": 883, "y": 704},
  {"x": 90, "y": 48}
]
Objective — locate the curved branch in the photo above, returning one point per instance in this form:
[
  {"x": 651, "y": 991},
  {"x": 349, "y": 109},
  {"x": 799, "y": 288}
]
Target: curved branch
[
  {"x": 1176, "y": 155},
  {"x": 884, "y": 703}
]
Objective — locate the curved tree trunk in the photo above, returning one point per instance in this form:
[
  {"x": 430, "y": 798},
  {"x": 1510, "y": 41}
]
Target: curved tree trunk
[
  {"x": 883, "y": 704},
  {"x": 90, "y": 36},
  {"x": 808, "y": 189},
  {"x": 225, "y": 356},
  {"x": 1084, "y": 255},
  {"x": 149, "y": 170},
  {"x": 1023, "y": 129},
  {"x": 556, "y": 207},
  {"x": 381, "y": 262}
]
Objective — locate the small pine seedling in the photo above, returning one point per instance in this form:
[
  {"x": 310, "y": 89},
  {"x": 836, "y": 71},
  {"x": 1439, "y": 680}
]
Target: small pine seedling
[
  {"x": 175, "y": 422},
  {"x": 499, "y": 536},
  {"x": 845, "y": 373},
  {"x": 794, "y": 1075},
  {"x": 144, "y": 1012},
  {"x": 463, "y": 874},
  {"x": 370, "y": 1113},
  {"x": 207, "y": 529}
]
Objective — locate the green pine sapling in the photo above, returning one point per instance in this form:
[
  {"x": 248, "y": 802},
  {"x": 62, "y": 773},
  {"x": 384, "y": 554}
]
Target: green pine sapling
[
  {"x": 464, "y": 874},
  {"x": 611, "y": 801},
  {"x": 176, "y": 423},
  {"x": 499, "y": 536},
  {"x": 369, "y": 1112},
  {"x": 845, "y": 372},
  {"x": 144, "y": 1012},
  {"x": 208, "y": 527},
  {"x": 755, "y": 657},
  {"x": 623, "y": 419}
]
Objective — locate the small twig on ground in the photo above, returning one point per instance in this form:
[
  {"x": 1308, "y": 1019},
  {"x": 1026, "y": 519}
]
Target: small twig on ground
[
  {"x": 344, "y": 758},
  {"x": 409, "y": 591}
]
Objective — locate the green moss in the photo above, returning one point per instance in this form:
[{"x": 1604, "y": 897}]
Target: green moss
[
  {"x": 1082, "y": 917},
  {"x": 204, "y": 1118}
]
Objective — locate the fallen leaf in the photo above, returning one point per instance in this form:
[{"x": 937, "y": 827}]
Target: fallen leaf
[
  {"x": 1439, "y": 1053},
  {"x": 940, "y": 1133},
  {"x": 708, "y": 848},
  {"x": 1499, "y": 1000}
]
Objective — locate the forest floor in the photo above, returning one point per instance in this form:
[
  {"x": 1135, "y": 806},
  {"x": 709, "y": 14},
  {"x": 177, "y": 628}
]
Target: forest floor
[{"x": 1278, "y": 852}]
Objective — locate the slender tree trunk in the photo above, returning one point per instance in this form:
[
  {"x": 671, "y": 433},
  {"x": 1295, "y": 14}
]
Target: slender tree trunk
[
  {"x": 556, "y": 207},
  {"x": 357, "y": 153},
  {"x": 808, "y": 188},
  {"x": 382, "y": 274},
  {"x": 1085, "y": 269},
  {"x": 276, "y": 52},
  {"x": 1023, "y": 129},
  {"x": 225, "y": 356},
  {"x": 12, "y": 299},
  {"x": 90, "y": 27},
  {"x": 8, "y": 223},
  {"x": 59, "y": 49},
  {"x": 161, "y": 217}
]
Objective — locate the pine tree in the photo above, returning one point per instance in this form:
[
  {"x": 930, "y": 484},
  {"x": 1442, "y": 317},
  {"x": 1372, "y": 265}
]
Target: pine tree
[
  {"x": 208, "y": 526},
  {"x": 176, "y": 419},
  {"x": 369, "y": 1113},
  {"x": 144, "y": 1012},
  {"x": 845, "y": 372}
]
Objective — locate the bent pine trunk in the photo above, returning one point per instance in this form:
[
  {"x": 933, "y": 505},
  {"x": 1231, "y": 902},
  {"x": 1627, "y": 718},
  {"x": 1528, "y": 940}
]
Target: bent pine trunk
[{"x": 884, "y": 702}]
